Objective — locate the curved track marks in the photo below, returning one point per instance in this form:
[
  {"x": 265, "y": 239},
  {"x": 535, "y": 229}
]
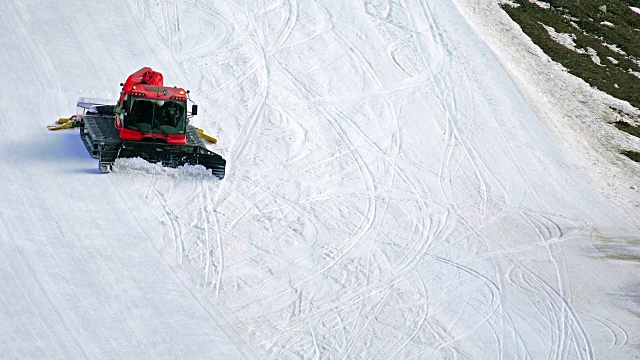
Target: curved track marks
[{"x": 383, "y": 197}]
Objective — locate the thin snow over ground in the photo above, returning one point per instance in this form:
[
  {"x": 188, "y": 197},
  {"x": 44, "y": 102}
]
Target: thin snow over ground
[
  {"x": 402, "y": 181},
  {"x": 568, "y": 41}
]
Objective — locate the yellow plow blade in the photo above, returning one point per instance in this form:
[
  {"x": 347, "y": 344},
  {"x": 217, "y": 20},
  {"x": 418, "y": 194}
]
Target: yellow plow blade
[
  {"x": 63, "y": 125},
  {"x": 210, "y": 139}
]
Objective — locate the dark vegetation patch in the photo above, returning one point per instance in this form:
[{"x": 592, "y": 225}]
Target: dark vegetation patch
[
  {"x": 628, "y": 128},
  {"x": 633, "y": 155},
  {"x": 583, "y": 19}
]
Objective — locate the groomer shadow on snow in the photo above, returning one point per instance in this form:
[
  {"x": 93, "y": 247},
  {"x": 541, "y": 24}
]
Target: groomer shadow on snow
[{"x": 66, "y": 148}]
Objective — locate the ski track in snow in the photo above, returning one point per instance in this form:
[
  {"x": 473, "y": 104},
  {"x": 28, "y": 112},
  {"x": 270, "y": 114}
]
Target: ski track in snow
[
  {"x": 340, "y": 245},
  {"x": 384, "y": 195}
]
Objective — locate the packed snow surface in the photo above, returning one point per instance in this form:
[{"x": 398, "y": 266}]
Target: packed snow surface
[{"x": 393, "y": 190}]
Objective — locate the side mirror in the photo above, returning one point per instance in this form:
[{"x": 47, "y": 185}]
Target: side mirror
[{"x": 194, "y": 109}]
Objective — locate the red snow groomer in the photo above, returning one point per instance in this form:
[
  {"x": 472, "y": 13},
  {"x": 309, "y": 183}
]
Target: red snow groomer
[{"x": 149, "y": 121}]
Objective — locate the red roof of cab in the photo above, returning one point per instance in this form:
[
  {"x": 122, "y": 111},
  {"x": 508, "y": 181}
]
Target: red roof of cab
[{"x": 150, "y": 83}]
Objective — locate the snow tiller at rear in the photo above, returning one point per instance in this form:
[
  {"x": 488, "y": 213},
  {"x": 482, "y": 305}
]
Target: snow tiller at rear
[{"x": 149, "y": 121}]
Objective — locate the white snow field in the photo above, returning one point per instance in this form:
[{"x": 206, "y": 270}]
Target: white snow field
[{"x": 392, "y": 192}]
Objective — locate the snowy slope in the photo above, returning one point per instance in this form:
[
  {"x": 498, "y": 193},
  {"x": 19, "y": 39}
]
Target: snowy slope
[
  {"x": 81, "y": 271},
  {"x": 390, "y": 193}
]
